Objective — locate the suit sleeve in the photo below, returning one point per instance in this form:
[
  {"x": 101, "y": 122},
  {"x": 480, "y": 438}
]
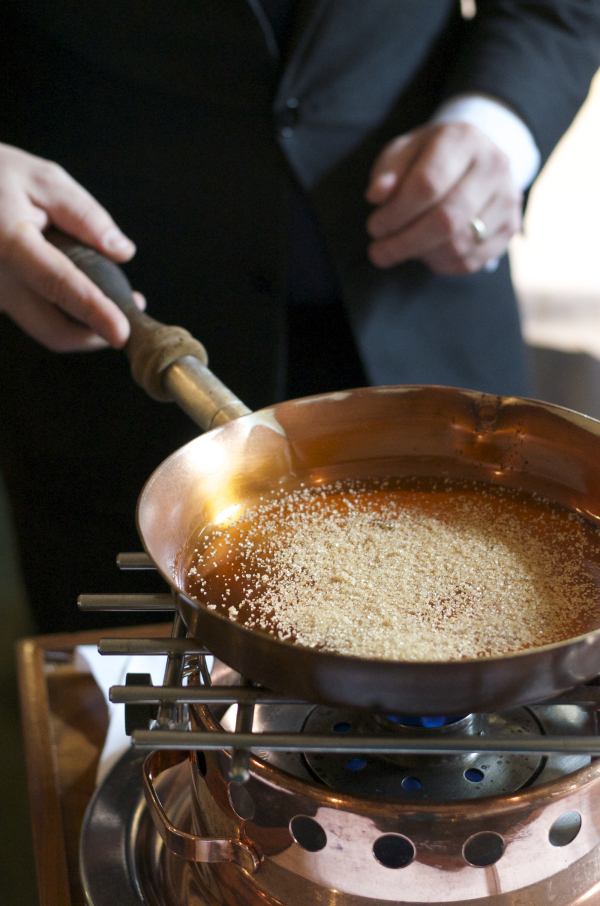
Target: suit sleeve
[{"x": 538, "y": 56}]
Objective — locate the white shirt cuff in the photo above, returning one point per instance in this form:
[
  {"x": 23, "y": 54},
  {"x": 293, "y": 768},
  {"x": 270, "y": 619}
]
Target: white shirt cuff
[{"x": 502, "y": 126}]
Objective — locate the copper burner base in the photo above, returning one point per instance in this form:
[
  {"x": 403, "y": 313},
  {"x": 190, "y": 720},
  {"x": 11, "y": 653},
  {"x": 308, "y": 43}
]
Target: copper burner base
[{"x": 124, "y": 861}]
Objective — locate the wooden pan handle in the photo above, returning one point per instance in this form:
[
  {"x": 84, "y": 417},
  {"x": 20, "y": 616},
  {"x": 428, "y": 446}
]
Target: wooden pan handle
[
  {"x": 152, "y": 346},
  {"x": 167, "y": 362}
]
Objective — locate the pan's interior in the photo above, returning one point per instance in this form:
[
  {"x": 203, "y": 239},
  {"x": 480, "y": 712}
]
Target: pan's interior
[{"x": 368, "y": 433}]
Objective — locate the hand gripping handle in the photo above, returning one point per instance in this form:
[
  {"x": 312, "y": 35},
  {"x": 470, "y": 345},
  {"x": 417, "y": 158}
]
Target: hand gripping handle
[
  {"x": 190, "y": 847},
  {"x": 152, "y": 346},
  {"x": 167, "y": 362}
]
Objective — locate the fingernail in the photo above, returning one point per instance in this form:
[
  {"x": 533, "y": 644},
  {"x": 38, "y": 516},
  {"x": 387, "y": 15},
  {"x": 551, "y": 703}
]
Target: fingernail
[
  {"x": 116, "y": 241},
  {"x": 386, "y": 180},
  {"x": 491, "y": 265},
  {"x": 381, "y": 187},
  {"x": 122, "y": 333}
]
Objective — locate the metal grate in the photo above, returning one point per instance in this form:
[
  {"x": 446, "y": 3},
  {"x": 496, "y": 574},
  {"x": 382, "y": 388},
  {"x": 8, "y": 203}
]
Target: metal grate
[{"x": 167, "y": 703}]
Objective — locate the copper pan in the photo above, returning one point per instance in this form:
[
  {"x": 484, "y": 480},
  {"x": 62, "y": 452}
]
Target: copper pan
[{"x": 371, "y": 432}]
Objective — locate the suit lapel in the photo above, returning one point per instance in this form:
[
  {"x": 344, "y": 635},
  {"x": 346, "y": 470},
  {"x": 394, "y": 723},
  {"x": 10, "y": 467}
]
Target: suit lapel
[
  {"x": 257, "y": 8},
  {"x": 307, "y": 19}
]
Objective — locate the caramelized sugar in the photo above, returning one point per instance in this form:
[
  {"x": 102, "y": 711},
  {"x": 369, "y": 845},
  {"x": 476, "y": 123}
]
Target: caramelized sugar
[{"x": 410, "y": 569}]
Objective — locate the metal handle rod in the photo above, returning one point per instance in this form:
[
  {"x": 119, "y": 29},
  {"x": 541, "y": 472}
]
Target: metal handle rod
[
  {"x": 134, "y": 560},
  {"x": 167, "y": 362},
  {"x": 300, "y": 742},
  {"x": 201, "y": 394},
  {"x": 213, "y": 695},
  {"x": 151, "y": 646},
  {"x": 92, "y": 603}
]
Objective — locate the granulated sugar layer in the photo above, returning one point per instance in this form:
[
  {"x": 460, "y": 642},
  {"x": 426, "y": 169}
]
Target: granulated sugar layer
[{"x": 407, "y": 570}]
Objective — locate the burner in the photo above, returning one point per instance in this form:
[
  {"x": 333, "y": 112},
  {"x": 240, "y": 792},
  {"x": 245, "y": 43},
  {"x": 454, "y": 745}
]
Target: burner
[
  {"x": 429, "y": 723},
  {"x": 287, "y": 803},
  {"x": 430, "y": 777},
  {"x": 124, "y": 860},
  {"x": 416, "y": 776}
]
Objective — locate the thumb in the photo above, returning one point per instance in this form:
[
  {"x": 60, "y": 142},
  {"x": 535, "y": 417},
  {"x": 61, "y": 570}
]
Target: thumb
[
  {"x": 72, "y": 209},
  {"x": 381, "y": 187},
  {"x": 392, "y": 165}
]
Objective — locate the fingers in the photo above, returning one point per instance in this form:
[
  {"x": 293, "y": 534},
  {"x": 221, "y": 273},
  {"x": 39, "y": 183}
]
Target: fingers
[
  {"x": 382, "y": 186},
  {"x": 457, "y": 175},
  {"x": 448, "y": 225},
  {"x": 50, "y": 276},
  {"x": 392, "y": 165},
  {"x": 71, "y": 208},
  {"x": 139, "y": 300},
  {"x": 427, "y": 167},
  {"x": 464, "y": 254},
  {"x": 48, "y": 324},
  {"x": 44, "y": 322}
]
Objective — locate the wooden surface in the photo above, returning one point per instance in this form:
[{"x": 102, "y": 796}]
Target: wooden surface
[{"x": 65, "y": 719}]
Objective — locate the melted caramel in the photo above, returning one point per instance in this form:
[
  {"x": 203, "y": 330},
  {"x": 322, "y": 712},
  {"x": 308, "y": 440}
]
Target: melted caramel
[{"x": 464, "y": 569}]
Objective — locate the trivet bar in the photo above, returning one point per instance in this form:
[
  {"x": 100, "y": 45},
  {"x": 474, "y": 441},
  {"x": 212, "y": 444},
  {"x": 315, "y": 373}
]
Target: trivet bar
[
  {"x": 304, "y": 742},
  {"x": 134, "y": 560},
  {"x": 151, "y": 646},
  {"x": 178, "y": 695},
  {"x": 584, "y": 696},
  {"x": 126, "y": 602}
]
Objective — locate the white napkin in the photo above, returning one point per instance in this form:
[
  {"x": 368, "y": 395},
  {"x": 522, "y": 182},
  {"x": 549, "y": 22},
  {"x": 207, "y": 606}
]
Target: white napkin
[{"x": 111, "y": 670}]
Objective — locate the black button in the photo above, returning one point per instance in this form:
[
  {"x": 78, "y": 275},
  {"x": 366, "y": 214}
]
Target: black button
[{"x": 288, "y": 118}]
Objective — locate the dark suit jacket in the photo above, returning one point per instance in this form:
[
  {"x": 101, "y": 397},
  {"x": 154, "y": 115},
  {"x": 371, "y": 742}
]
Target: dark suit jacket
[{"x": 176, "y": 115}]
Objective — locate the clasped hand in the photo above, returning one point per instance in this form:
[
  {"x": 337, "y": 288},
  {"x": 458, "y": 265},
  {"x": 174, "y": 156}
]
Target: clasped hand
[{"x": 428, "y": 187}]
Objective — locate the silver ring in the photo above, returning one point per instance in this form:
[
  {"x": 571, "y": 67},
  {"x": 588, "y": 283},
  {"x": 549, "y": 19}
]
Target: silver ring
[{"x": 480, "y": 230}]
